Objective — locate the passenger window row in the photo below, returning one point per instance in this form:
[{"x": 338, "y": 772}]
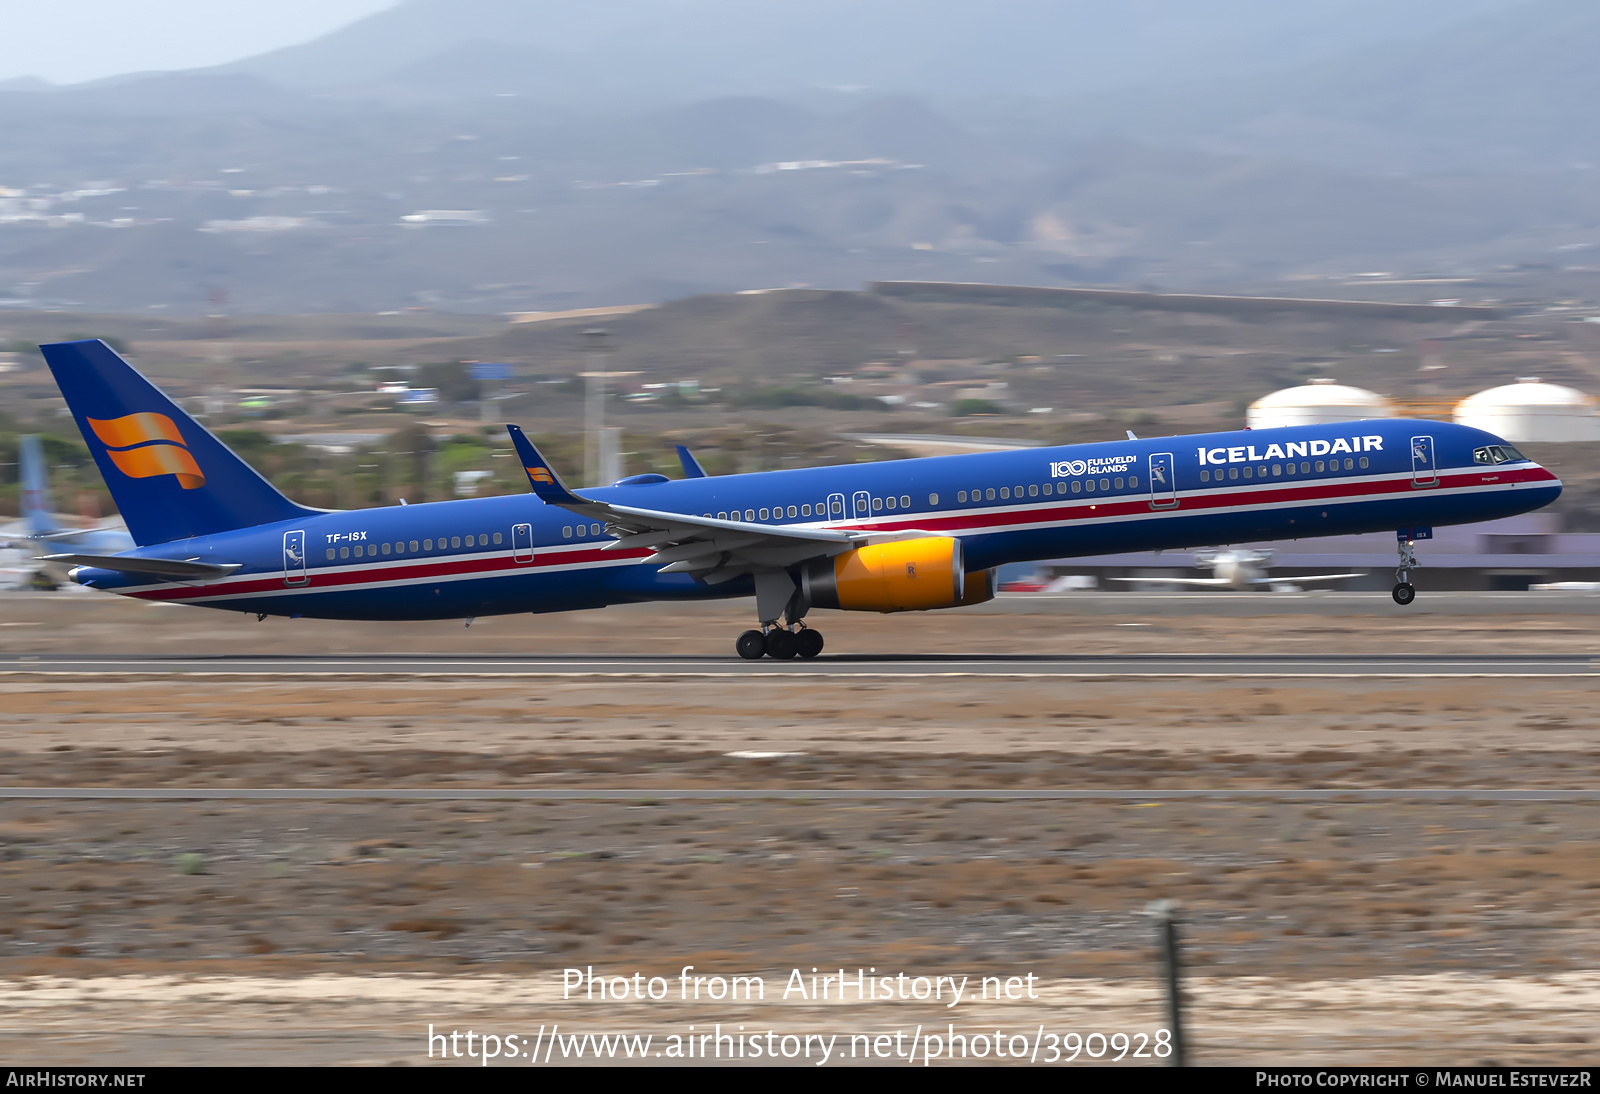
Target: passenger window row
[
  {"x": 1033, "y": 490},
  {"x": 401, "y": 547},
  {"x": 1251, "y": 471},
  {"x": 580, "y": 531},
  {"x": 780, "y": 512}
]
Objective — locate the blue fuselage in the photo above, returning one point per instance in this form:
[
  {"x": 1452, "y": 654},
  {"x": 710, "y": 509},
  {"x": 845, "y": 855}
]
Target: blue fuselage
[{"x": 477, "y": 557}]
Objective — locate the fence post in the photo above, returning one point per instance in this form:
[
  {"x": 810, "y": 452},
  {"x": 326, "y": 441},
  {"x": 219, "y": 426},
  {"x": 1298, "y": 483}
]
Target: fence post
[{"x": 1165, "y": 913}]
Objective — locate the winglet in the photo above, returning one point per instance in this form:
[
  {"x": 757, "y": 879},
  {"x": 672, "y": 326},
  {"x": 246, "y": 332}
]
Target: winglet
[
  {"x": 691, "y": 466},
  {"x": 541, "y": 476}
]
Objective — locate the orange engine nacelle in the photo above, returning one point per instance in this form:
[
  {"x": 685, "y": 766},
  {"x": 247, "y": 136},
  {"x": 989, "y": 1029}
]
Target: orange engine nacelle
[
  {"x": 981, "y": 587},
  {"x": 912, "y": 575}
]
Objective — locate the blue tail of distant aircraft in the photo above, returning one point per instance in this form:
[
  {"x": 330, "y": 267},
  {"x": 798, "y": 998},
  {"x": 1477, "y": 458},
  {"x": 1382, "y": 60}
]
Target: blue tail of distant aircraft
[
  {"x": 171, "y": 479},
  {"x": 35, "y": 489},
  {"x": 691, "y": 466}
]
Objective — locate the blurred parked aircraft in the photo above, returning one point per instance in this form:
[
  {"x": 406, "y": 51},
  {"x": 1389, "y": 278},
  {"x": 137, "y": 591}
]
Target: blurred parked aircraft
[
  {"x": 41, "y": 532},
  {"x": 1241, "y": 570}
]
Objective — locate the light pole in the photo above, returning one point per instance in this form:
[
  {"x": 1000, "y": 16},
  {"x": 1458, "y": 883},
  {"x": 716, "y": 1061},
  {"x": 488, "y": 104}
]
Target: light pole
[{"x": 594, "y": 341}]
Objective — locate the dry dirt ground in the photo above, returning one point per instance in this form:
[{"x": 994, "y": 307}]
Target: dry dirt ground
[{"x": 309, "y": 932}]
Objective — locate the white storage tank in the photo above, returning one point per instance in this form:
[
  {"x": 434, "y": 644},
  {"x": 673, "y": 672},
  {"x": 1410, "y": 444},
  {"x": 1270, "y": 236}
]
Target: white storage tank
[
  {"x": 1532, "y": 410},
  {"x": 1317, "y": 402}
]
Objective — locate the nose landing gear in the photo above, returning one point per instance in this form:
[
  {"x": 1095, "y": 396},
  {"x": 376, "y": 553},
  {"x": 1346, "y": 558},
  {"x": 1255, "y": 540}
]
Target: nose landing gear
[{"x": 1404, "y": 592}]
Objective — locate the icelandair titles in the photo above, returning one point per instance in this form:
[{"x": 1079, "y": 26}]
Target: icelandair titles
[{"x": 1291, "y": 450}]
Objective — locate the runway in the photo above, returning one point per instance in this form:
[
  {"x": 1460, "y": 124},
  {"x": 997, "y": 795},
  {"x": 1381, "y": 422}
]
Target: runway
[
  {"x": 646, "y": 795},
  {"x": 1042, "y": 665}
]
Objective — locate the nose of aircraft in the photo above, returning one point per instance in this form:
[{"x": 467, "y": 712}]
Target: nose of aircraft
[
  {"x": 1546, "y": 482},
  {"x": 1555, "y": 482}
]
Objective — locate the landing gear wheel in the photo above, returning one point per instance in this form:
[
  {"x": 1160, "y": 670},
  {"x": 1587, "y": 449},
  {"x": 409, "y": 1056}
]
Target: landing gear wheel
[
  {"x": 1404, "y": 593},
  {"x": 752, "y": 645},
  {"x": 808, "y": 643},
  {"x": 781, "y": 645}
]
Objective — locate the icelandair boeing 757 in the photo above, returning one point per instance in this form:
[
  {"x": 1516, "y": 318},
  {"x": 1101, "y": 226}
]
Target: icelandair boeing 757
[{"x": 905, "y": 535}]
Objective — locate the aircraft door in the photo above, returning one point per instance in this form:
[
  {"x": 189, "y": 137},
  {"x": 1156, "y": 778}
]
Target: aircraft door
[
  {"x": 1163, "y": 482},
  {"x": 522, "y": 544},
  {"x": 862, "y": 504},
  {"x": 1424, "y": 472},
  {"x": 835, "y": 506},
  {"x": 294, "y": 558}
]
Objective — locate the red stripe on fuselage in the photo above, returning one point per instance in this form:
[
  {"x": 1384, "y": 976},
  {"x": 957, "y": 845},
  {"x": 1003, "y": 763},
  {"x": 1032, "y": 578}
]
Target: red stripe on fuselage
[{"x": 324, "y": 581}]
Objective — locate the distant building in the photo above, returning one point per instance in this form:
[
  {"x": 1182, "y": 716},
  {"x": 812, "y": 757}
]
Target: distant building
[
  {"x": 467, "y": 482},
  {"x": 1316, "y": 403},
  {"x": 1532, "y": 410}
]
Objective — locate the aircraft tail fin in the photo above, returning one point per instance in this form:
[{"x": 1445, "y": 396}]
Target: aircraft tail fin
[
  {"x": 36, "y": 489},
  {"x": 171, "y": 479}
]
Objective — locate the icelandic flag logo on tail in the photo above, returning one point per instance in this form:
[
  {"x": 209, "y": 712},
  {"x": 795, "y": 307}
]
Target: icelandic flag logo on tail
[
  {"x": 151, "y": 453},
  {"x": 145, "y": 445}
]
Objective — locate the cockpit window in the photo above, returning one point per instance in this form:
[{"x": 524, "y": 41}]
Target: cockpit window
[{"x": 1496, "y": 453}]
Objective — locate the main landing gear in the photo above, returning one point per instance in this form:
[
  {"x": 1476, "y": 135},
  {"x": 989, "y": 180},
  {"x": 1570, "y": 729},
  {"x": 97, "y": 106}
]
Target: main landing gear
[
  {"x": 1404, "y": 592},
  {"x": 777, "y": 597},
  {"x": 780, "y": 643}
]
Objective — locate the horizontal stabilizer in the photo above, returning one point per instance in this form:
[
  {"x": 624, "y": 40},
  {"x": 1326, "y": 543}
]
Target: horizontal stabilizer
[
  {"x": 160, "y": 567},
  {"x": 76, "y": 533}
]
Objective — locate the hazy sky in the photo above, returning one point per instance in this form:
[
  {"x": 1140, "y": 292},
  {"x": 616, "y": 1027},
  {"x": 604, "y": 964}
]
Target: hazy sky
[{"x": 65, "y": 41}]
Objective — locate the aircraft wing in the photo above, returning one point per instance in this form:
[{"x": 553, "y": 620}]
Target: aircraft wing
[
  {"x": 1200, "y": 582},
  {"x": 1297, "y": 580},
  {"x": 683, "y": 543}
]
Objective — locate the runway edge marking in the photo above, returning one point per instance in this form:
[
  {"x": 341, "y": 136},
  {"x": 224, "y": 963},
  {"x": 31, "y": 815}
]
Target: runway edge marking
[{"x": 804, "y": 675}]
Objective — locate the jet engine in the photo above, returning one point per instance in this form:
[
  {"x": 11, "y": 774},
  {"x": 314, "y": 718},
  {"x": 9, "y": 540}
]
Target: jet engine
[{"x": 911, "y": 575}]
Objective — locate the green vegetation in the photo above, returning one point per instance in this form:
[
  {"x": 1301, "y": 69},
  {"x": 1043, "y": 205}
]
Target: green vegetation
[{"x": 190, "y": 863}]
